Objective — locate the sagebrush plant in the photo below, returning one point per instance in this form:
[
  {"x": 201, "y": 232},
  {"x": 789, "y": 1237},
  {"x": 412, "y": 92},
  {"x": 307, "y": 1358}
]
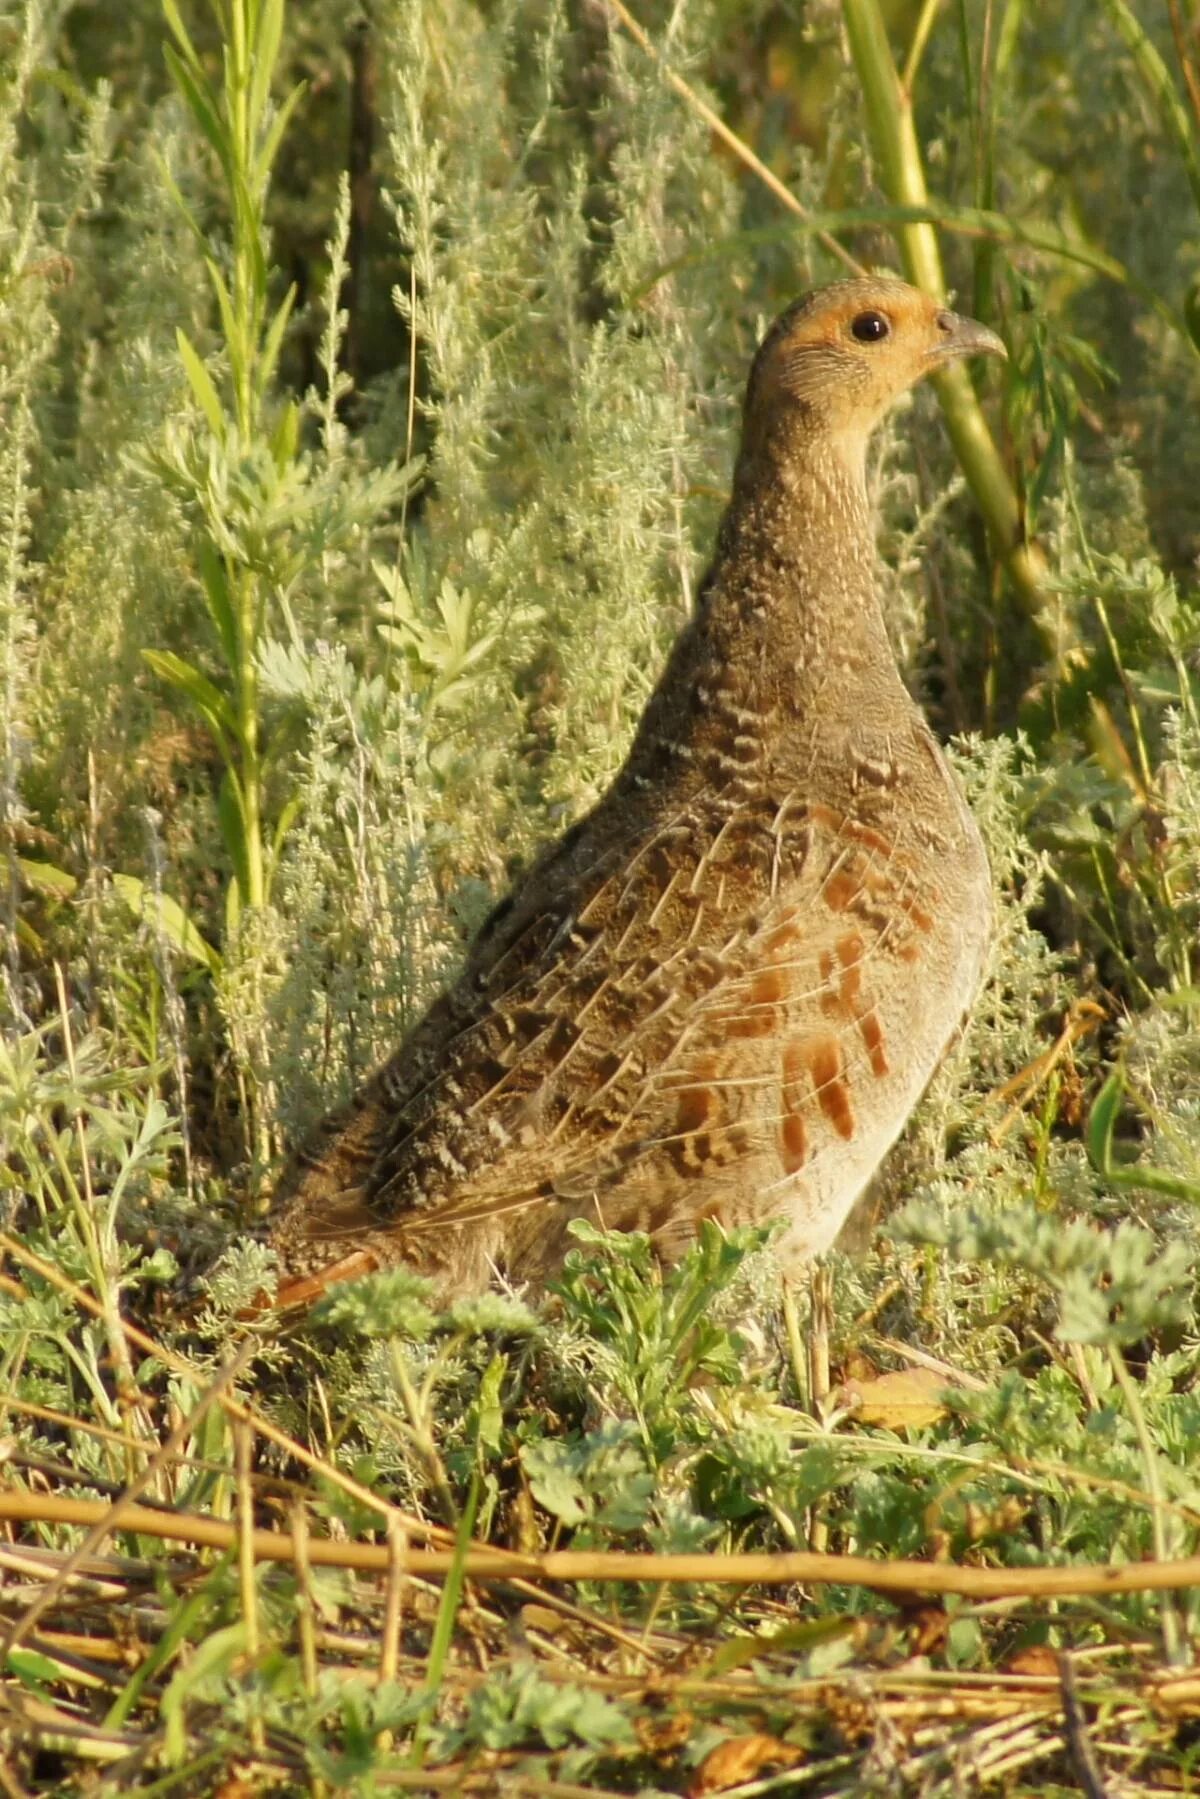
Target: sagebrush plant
[{"x": 368, "y": 395}]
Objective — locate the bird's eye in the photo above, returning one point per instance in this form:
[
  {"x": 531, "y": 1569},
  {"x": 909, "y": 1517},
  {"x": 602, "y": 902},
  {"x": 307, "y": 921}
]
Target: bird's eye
[{"x": 870, "y": 327}]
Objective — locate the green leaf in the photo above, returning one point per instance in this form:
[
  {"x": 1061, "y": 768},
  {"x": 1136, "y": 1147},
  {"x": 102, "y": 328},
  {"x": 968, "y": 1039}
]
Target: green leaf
[
  {"x": 443, "y": 1630},
  {"x": 45, "y": 878},
  {"x": 286, "y": 436},
  {"x": 264, "y": 54},
  {"x": 486, "y": 1416},
  {"x": 171, "y": 14},
  {"x": 179, "y": 1626},
  {"x": 214, "y": 1656},
  {"x": 201, "y": 384},
  {"x": 201, "y": 103},
  {"x": 494, "y": 1312},
  {"x": 793, "y": 1639},
  {"x": 168, "y": 916},
  {"x": 207, "y": 698},
  {"x": 181, "y": 205},
  {"x": 248, "y": 233},
  {"x": 233, "y": 904},
  {"x": 31, "y": 1669},
  {"x": 229, "y": 324},
  {"x": 1191, "y": 311},
  {"x": 1157, "y": 77},
  {"x": 517, "y": 1704},
  {"x": 288, "y": 814},
  {"x": 273, "y": 341},
  {"x": 216, "y": 591},
  {"x": 391, "y": 1302},
  {"x": 1101, "y": 1122},
  {"x": 231, "y": 814},
  {"x": 270, "y": 147},
  {"x": 554, "y": 1482}
]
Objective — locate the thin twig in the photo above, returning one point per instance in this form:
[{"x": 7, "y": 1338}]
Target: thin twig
[
  {"x": 389, "y": 1649},
  {"x": 484, "y": 1563},
  {"x": 1086, "y": 1767},
  {"x": 243, "y": 1445},
  {"x": 729, "y": 138},
  {"x": 1187, "y": 61},
  {"x": 1172, "y": 1628}
]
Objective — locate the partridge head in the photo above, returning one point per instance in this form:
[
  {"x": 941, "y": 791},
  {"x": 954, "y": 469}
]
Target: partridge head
[{"x": 720, "y": 994}]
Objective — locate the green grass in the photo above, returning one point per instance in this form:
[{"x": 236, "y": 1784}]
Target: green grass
[{"x": 367, "y": 402}]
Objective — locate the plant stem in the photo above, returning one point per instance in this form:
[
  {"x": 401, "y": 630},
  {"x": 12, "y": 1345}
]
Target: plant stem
[
  {"x": 1173, "y": 1643},
  {"x": 888, "y": 109},
  {"x": 248, "y": 730},
  {"x": 920, "y": 37},
  {"x": 420, "y": 1433}
]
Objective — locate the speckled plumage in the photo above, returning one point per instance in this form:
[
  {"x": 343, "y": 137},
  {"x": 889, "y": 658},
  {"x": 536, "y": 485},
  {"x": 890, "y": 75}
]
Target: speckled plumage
[{"x": 721, "y": 993}]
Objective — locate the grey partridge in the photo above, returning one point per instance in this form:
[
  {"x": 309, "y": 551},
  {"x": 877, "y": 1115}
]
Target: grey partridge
[{"x": 720, "y": 994}]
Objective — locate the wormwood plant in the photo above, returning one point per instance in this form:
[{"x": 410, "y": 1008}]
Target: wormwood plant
[{"x": 268, "y": 513}]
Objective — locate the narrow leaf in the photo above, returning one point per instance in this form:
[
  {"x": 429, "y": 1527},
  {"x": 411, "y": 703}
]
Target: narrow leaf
[
  {"x": 287, "y": 818},
  {"x": 1102, "y": 1120},
  {"x": 171, "y": 14},
  {"x": 1157, "y": 77},
  {"x": 202, "y": 104},
  {"x": 263, "y": 57},
  {"x": 169, "y": 917},
  {"x": 265, "y": 159},
  {"x": 216, "y": 591},
  {"x": 203, "y": 693},
  {"x": 286, "y": 436},
  {"x": 231, "y": 814},
  {"x": 229, "y": 324},
  {"x": 181, "y": 205},
  {"x": 792, "y": 1639},
  {"x": 1191, "y": 311},
  {"x": 201, "y": 384},
  {"x": 215, "y": 1655},
  {"x": 447, "y": 1614},
  {"x": 273, "y": 341},
  {"x": 45, "y": 878}
]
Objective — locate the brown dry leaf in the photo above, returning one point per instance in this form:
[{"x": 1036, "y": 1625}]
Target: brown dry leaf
[
  {"x": 929, "y": 1624},
  {"x": 739, "y": 1759},
  {"x": 906, "y": 1399},
  {"x": 548, "y": 1623},
  {"x": 1036, "y": 1658},
  {"x": 664, "y": 1734}
]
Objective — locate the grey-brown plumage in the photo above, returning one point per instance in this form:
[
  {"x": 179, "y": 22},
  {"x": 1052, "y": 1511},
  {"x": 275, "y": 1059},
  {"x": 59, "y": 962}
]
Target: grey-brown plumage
[{"x": 721, "y": 993}]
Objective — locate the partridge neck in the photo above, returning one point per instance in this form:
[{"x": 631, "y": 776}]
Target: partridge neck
[{"x": 796, "y": 560}]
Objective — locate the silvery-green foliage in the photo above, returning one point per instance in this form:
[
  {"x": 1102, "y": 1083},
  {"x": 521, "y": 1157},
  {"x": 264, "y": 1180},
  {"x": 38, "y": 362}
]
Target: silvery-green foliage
[
  {"x": 1112, "y": 1287},
  {"x": 368, "y": 937},
  {"x": 27, "y": 337},
  {"x": 569, "y": 440}
]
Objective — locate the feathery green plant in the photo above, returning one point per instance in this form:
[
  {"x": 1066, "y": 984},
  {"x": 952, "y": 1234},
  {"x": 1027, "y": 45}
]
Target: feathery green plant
[
  {"x": 224, "y": 474},
  {"x": 268, "y": 514}
]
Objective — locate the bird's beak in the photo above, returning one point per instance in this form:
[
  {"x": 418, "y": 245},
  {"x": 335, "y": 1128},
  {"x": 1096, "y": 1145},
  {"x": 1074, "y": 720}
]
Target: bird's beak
[{"x": 959, "y": 336}]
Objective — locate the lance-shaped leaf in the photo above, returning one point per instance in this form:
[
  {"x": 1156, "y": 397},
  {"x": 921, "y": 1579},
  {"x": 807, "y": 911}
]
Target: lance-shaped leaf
[
  {"x": 207, "y": 698},
  {"x": 169, "y": 917}
]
